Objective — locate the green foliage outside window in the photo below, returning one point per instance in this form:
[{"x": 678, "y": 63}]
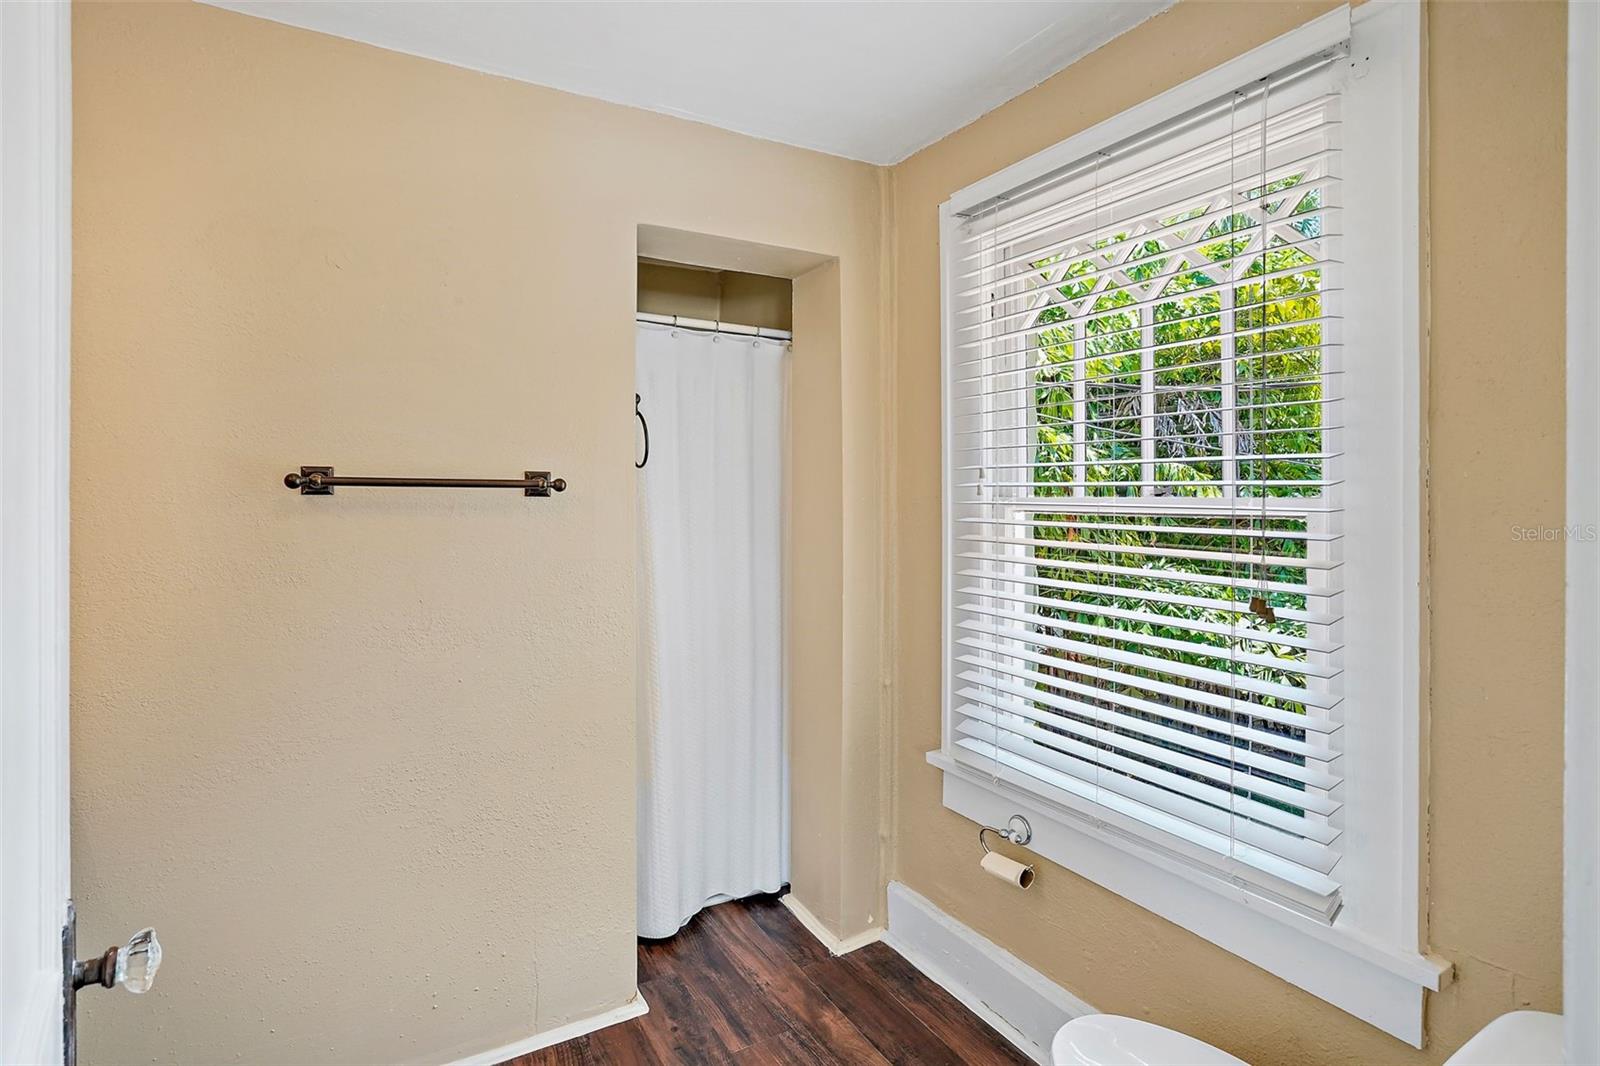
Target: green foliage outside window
[{"x": 1276, "y": 304}]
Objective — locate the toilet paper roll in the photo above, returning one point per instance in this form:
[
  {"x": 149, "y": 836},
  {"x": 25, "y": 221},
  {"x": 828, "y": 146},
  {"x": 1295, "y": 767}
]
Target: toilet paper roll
[{"x": 1008, "y": 870}]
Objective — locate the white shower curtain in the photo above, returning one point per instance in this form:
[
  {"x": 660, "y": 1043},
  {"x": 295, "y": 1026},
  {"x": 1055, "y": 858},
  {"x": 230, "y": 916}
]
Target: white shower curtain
[{"x": 713, "y": 777}]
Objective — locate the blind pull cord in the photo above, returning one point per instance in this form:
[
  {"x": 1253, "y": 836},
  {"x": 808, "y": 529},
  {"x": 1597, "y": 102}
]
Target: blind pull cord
[{"x": 1258, "y": 602}]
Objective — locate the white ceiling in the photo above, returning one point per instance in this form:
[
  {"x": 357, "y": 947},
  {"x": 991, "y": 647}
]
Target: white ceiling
[{"x": 871, "y": 80}]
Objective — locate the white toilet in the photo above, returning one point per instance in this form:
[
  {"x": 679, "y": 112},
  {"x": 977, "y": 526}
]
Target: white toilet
[
  {"x": 1110, "y": 1040},
  {"x": 1521, "y": 1038}
]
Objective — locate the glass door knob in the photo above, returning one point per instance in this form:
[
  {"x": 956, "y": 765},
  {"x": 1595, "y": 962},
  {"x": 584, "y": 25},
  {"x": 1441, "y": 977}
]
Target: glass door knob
[
  {"x": 133, "y": 965},
  {"x": 138, "y": 962}
]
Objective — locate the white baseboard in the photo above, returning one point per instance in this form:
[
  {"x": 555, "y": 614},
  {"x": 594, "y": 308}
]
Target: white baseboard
[
  {"x": 815, "y": 927},
  {"x": 1017, "y": 1001},
  {"x": 571, "y": 1031}
]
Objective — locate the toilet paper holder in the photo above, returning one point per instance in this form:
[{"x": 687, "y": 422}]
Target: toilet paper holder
[{"x": 1017, "y": 830}]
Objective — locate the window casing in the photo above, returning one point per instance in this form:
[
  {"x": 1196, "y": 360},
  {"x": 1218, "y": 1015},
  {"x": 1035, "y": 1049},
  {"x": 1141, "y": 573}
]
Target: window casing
[{"x": 1180, "y": 528}]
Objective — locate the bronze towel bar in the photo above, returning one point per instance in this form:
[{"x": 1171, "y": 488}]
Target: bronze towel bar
[{"x": 320, "y": 481}]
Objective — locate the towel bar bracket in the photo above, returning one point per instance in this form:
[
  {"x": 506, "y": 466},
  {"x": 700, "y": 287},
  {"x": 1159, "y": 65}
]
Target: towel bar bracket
[
  {"x": 540, "y": 483},
  {"x": 310, "y": 481}
]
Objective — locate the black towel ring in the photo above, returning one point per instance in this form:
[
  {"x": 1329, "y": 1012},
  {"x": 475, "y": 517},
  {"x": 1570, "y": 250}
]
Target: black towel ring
[{"x": 646, "y": 427}]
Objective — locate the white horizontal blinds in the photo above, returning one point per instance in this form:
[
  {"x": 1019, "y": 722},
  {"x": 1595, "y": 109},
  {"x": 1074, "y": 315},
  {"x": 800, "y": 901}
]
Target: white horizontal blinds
[{"x": 1144, "y": 459}]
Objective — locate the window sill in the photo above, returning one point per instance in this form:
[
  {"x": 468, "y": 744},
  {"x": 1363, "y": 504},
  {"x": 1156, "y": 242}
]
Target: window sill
[{"x": 1381, "y": 985}]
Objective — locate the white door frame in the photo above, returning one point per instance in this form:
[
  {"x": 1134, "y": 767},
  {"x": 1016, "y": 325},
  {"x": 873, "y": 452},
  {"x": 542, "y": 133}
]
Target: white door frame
[
  {"x": 35, "y": 287},
  {"x": 1581, "y": 800}
]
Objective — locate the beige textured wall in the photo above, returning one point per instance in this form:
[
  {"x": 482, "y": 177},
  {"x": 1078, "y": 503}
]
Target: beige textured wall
[
  {"x": 367, "y": 762},
  {"x": 817, "y": 808},
  {"x": 1496, "y": 85},
  {"x": 1497, "y": 77}
]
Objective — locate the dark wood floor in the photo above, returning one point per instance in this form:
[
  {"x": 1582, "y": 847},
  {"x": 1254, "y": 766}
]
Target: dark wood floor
[{"x": 744, "y": 983}]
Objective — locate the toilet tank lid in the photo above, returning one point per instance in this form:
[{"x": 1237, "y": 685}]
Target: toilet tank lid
[
  {"x": 1523, "y": 1037},
  {"x": 1111, "y": 1040}
]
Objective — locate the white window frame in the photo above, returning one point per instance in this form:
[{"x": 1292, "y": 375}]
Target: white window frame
[
  {"x": 1370, "y": 961},
  {"x": 1580, "y": 966}
]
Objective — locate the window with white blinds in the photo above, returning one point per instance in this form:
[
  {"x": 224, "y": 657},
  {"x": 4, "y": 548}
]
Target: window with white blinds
[{"x": 1143, "y": 444}]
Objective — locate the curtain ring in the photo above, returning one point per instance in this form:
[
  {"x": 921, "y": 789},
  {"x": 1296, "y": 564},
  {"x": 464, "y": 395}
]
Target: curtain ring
[{"x": 646, "y": 427}]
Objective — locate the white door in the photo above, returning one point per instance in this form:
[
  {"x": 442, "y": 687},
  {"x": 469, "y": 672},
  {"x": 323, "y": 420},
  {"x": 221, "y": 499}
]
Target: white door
[{"x": 35, "y": 135}]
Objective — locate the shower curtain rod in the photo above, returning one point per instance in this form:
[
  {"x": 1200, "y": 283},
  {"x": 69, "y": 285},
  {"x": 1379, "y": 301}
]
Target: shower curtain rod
[{"x": 706, "y": 325}]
